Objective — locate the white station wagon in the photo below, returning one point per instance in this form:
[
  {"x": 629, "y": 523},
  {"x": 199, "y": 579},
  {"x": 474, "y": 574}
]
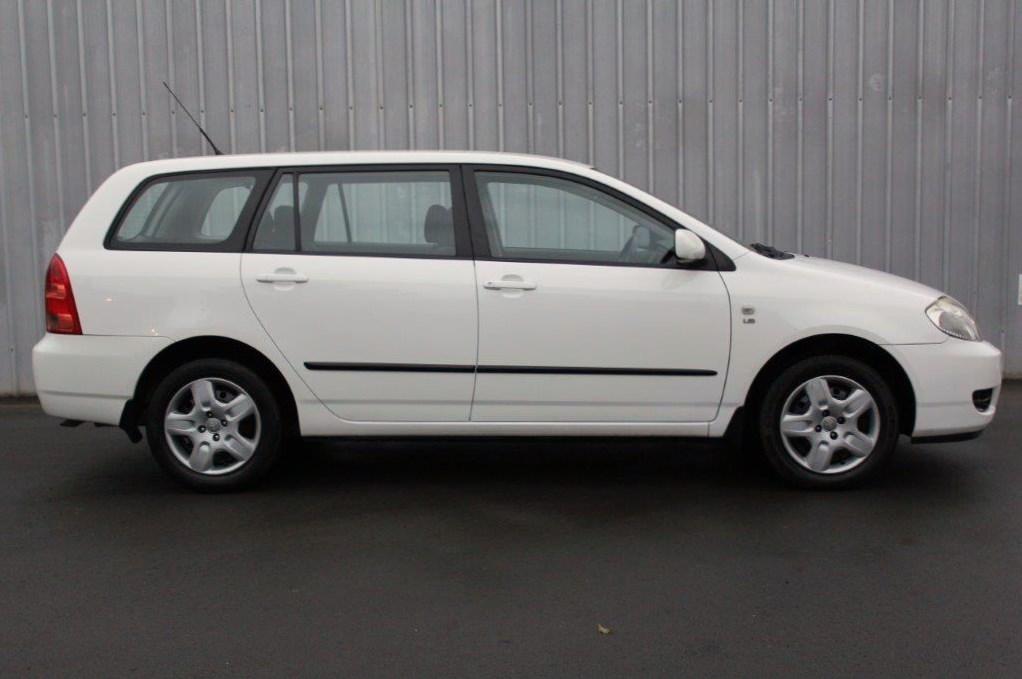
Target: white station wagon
[{"x": 228, "y": 305}]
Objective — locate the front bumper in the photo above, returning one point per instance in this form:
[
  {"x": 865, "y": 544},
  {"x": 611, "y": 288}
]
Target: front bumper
[
  {"x": 90, "y": 377},
  {"x": 944, "y": 377}
]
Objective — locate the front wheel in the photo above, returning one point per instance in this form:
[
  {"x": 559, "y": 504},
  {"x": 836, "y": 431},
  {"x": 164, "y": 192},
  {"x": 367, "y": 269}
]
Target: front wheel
[
  {"x": 828, "y": 421},
  {"x": 214, "y": 425}
]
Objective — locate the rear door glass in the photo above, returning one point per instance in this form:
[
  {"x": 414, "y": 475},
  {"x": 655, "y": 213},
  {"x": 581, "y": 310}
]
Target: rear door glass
[{"x": 371, "y": 213}]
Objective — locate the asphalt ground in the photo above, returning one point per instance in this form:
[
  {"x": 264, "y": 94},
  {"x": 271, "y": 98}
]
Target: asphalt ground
[{"x": 504, "y": 557}]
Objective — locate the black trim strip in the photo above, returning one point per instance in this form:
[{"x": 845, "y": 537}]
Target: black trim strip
[
  {"x": 504, "y": 369},
  {"x": 392, "y": 367},
  {"x": 559, "y": 370}
]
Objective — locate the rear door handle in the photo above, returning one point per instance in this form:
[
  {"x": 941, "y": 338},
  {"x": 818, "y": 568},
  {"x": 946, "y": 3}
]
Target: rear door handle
[
  {"x": 509, "y": 285},
  {"x": 282, "y": 278}
]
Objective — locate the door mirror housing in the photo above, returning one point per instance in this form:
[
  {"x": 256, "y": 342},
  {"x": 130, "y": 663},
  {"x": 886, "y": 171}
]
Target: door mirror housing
[{"x": 688, "y": 247}]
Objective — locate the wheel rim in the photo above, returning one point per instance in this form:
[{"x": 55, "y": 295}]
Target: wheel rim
[
  {"x": 212, "y": 426},
  {"x": 830, "y": 424}
]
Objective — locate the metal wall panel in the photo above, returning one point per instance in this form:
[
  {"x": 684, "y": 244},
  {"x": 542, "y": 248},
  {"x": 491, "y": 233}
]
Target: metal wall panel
[{"x": 874, "y": 131}]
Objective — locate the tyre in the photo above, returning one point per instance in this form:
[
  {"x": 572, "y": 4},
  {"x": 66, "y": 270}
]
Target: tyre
[
  {"x": 214, "y": 425},
  {"x": 827, "y": 422}
]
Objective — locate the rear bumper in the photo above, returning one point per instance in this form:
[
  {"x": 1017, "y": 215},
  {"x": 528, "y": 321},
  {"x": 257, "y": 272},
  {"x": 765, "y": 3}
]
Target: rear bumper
[
  {"x": 944, "y": 377},
  {"x": 90, "y": 377}
]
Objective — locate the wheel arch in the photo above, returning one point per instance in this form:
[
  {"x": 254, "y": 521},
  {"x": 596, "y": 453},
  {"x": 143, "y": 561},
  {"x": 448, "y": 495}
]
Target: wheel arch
[
  {"x": 208, "y": 346},
  {"x": 844, "y": 345}
]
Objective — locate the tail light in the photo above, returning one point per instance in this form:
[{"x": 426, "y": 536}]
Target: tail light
[{"x": 61, "y": 312}]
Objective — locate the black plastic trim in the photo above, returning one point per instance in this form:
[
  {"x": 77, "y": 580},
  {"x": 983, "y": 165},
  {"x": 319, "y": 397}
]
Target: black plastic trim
[
  {"x": 130, "y": 417},
  {"x": 770, "y": 251},
  {"x": 390, "y": 367},
  {"x": 736, "y": 428},
  {"x": 982, "y": 399},
  {"x": 558, "y": 370},
  {"x": 506, "y": 369}
]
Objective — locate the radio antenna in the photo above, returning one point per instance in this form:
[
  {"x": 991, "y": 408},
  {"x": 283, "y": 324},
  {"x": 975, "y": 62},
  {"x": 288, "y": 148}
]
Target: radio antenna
[{"x": 216, "y": 151}]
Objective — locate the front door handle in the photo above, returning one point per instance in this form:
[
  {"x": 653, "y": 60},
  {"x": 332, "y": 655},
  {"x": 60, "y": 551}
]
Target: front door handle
[
  {"x": 509, "y": 285},
  {"x": 282, "y": 278}
]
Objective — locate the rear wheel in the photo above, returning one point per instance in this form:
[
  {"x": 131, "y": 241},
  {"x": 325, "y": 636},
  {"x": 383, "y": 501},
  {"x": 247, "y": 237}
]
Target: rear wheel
[
  {"x": 828, "y": 421},
  {"x": 214, "y": 425}
]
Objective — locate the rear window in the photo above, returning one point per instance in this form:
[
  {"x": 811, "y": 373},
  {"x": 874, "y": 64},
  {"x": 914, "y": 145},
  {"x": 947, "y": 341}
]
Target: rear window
[
  {"x": 376, "y": 213},
  {"x": 193, "y": 212}
]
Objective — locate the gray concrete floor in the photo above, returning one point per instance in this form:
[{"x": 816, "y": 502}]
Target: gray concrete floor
[{"x": 483, "y": 558}]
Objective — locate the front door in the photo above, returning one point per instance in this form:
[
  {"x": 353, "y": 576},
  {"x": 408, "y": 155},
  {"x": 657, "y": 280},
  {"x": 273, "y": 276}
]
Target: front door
[
  {"x": 581, "y": 319},
  {"x": 362, "y": 278}
]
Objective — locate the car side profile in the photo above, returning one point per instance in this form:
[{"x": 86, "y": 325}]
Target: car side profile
[{"x": 228, "y": 305}]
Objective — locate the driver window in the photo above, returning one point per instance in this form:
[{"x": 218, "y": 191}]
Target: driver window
[{"x": 535, "y": 217}]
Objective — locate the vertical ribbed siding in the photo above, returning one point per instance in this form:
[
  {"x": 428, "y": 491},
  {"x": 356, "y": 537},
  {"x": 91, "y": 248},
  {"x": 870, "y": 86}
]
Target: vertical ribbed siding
[{"x": 874, "y": 131}]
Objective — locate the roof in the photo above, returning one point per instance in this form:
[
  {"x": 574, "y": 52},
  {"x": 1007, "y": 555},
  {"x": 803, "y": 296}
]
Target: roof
[{"x": 352, "y": 158}]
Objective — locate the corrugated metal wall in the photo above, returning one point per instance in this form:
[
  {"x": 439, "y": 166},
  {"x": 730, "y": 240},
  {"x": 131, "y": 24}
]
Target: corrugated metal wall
[{"x": 872, "y": 131}]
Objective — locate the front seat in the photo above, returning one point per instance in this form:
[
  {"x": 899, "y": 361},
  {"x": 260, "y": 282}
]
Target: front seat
[{"x": 438, "y": 229}]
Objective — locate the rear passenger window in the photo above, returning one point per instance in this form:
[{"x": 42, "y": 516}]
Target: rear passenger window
[
  {"x": 192, "y": 211},
  {"x": 362, "y": 213}
]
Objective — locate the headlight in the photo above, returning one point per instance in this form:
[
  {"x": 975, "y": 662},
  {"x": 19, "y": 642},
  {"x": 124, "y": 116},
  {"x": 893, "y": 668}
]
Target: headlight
[{"x": 953, "y": 319}]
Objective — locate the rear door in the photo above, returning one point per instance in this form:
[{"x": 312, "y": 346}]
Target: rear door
[{"x": 363, "y": 278}]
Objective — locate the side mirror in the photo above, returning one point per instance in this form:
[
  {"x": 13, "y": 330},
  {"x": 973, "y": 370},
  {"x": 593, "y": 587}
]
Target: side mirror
[{"x": 688, "y": 247}]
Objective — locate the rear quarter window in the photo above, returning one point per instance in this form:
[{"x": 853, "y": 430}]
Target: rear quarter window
[{"x": 195, "y": 211}]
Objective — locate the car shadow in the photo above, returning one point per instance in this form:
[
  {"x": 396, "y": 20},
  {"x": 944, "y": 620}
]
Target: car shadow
[
  {"x": 618, "y": 463},
  {"x": 508, "y": 462},
  {"x": 532, "y": 490}
]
